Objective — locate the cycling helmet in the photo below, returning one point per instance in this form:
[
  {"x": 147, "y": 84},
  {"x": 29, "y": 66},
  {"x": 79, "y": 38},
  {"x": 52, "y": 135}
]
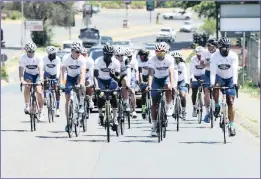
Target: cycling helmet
[
  {"x": 119, "y": 51},
  {"x": 161, "y": 47},
  {"x": 224, "y": 46},
  {"x": 144, "y": 52},
  {"x": 50, "y": 50},
  {"x": 76, "y": 46},
  {"x": 30, "y": 46},
  {"x": 212, "y": 41},
  {"x": 83, "y": 50},
  {"x": 167, "y": 46},
  {"x": 176, "y": 54},
  {"x": 108, "y": 49},
  {"x": 128, "y": 52},
  {"x": 199, "y": 49}
]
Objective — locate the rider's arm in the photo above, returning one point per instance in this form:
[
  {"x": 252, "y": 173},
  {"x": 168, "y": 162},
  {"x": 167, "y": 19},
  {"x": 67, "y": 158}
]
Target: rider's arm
[
  {"x": 151, "y": 71},
  {"x": 136, "y": 67},
  {"x": 235, "y": 69},
  {"x": 191, "y": 69},
  {"x": 117, "y": 70},
  {"x": 140, "y": 74},
  {"x": 83, "y": 72},
  {"x": 58, "y": 66},
  {"x": 176, "y": 76},
  {"x": 96, "y": 73},
  {"x": 213, "y": 69},
  {"x": 185, "y": 72},
  {"x": 171, "y": 73},
  {"x": 21, "y": 68},
  {"x": 63, "y": 69},
  {"x": 40, "y": 67}
]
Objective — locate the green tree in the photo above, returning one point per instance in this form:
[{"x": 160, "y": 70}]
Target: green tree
[{"x": 209, "y": 26}]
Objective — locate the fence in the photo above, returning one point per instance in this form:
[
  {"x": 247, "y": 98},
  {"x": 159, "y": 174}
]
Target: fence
[{"x": 253, "y": 64}]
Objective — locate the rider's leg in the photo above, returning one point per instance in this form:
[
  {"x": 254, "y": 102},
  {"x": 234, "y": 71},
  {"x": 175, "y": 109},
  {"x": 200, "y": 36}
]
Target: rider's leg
[
  {"x": 207, "y": 95},
  {"x": 114, "y": 101},
  {"x": 219, "y": 82},
  {"x": 231, "y": 93},
  {"x": 143, "y": 100},
  {"x": 81, "y": 95},
  {"x": 169, "y": 105},
  {"x": 183, "y": 95},
  {"x": 133, "y": 96},
  {"x": 28, "y": 78},
  {"x": 89, "y": 91},
  {"x": 57, "y": 95},
  {"x": 46, "y": 76},
  {"x": 39, "y": 94},
  {"x": 194, "y": 98}
]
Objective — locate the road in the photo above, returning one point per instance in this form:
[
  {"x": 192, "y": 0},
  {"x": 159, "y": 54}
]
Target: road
[{"x": 195, "y": 151}]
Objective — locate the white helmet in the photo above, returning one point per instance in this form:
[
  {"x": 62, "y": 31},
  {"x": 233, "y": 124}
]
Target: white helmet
[
  {"x": 176, "y": 54},
  {"x": 167, "y": 46},
  {"x": 50, "y": 50},
  {"x": 30, "y": 46},
  {"x": 128, "y": 52},
  {"x": 119, "y": 50},
  {"x": 161, "y": 47},
  {"x": 83, "y": 50},
  {"x": 199, "y": 49},
  {"x": 76, "y": 46}
]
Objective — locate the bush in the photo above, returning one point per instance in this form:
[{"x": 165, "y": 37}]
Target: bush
[
  {"x": 14, "y": 15},
  {"x": 209, "y": 26},
  {"x": 42, "y": 38},
  {"x": 4, "y": 74},
  {"x": 138, "y": 4},
  {"x": 112, "y": 5}
]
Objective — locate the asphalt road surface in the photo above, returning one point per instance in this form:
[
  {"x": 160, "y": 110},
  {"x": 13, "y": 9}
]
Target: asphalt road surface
[{"x": 195, "y": 151}]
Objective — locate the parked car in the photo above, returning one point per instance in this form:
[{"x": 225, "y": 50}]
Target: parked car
[
  {"x": 177, "y": 15},
  {"x": 188, "y": 27},
  {"x": 166, "y": 34},
  {"x": 106, "y": 40},
  {"x": 95, "y": 52}
]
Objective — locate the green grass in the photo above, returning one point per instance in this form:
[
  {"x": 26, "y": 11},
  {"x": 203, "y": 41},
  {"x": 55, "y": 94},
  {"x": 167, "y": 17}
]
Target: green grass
[
  {"x": 251, "y": 89},
  {"x": 4, "y": 74}
]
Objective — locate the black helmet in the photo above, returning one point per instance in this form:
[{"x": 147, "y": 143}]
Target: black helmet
[
  {"x": 108, "y": 49},
  {"x": 144, "y": 52},
  {"x": 212, "y": 41},
  {"x": 224, "y": 46}
]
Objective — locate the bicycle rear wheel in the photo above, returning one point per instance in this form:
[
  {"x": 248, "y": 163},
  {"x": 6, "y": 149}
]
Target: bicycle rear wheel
[
  {"x": 223, "y": 122},
  {"x": 50, "y": 108},
  {"x": 159, "y": 125},
  {"x": 199, "y": 109},
  {"x": 164, "y": 128},
  {"x": 121, "y": 119},
  {"x": 211, "y": 117},
  {"x": 33, "y": 113},
  {"x": 149, "y": 111},
  {"x": 108, "y": 114},
  {"x": 177, "y": 111},
  {"x": 85, "y": 116}
]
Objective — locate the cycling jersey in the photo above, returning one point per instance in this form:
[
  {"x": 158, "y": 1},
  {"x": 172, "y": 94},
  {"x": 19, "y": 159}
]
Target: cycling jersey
[
  {"x": 104, "y": 71},
  {"x": 182, "y": 72},
  {"x": 74, "y": 66},
  {"x": 134, "y": 67},
  {"x": 224, "y": 67},
  {"x": 206, "y": 57},
  {"x": 161, "y": 68},
  {"x": 144, "y": 67},
  {"x": 30, "y": 64},
  {"x": 195, "y": 68},
  {"x": 52, "y": 67},
  {"x": 89, "y": 67}
]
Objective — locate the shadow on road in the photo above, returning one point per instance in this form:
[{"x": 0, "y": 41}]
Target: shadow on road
[
  {"x": 52, "y": 137},
  {"x": 130, "y": 136},
  {"x": 89, "y": 140},
  {"x": 56, "y": 132},
  {"x": 97, "y": 135},
  {"x": 142, "y": 141},
  {"x": 12, "y": 48},
  {"x": 18, "y": 130},
  {"x": 36, "y": 122},
  {"x": 203, "y": 142},
  {"x": 194, "y": 127}
]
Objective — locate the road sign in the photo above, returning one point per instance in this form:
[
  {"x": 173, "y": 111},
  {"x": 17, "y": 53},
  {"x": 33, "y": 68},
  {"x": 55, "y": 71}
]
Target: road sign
[
  {"x": 150, "y": 5},
  {"x": 34, "y": 25},
  {"x": 127, "y": 1}
]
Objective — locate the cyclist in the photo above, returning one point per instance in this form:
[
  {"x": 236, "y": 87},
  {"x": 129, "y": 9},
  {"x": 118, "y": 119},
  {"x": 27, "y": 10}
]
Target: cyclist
[
  {"x": 106, "y": 73},
  {"x": 52, "y": 67},
  {"x": 211, "y": 48},
  {"x": 134, "y": 78},
  {"x": 182, "y": 84},
  {"x": 31, "y": 71},
  {"x": 143, "y": 55},
  {"x": 89, "y": 77},
  {"x": 125, "y": 75},
  {"x": 224, "y": 72},
  {"x": 161, "y": 68},
  {"x": 76, "y": 69},
  {"x": 197, "y": 72}
]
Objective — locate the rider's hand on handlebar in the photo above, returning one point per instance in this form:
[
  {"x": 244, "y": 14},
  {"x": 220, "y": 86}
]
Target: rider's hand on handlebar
[{"x": 148, "y": 88}]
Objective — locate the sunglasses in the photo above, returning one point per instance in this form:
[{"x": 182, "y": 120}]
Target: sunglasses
[
  {"x": 119, "y": 55},
  {"x": 30, "y": 51},
  {"x": 77, "y": 52},
  {"x": 160, "y": 53}
]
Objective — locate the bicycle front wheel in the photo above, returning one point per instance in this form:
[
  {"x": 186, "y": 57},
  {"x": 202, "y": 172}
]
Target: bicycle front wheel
[
  {"x": 159, "y": 124},
  {"x": 108, "y": 114},
  {"x": 70, "y": 118},
  {"x": 177, "y": 111},
  {"x": 199, "y": 109}
]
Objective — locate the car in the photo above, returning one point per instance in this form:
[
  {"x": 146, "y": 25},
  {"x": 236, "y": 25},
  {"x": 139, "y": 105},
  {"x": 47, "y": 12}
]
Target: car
[
  {"x": 150, "y": 46},
  {"x": 124, "y": 43},
  {"x": 166, "y": 34},
  {"x": 95, "y": 52},
  {"x": 90, "y": 36},
  {"x": 106, "y": 40},
  {"x": 177, "y": 15},
  {"x": 188, "y": 27}
]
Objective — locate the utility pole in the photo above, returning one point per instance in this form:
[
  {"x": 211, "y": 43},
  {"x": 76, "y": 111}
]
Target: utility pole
[{"x": 22, "y": 25}]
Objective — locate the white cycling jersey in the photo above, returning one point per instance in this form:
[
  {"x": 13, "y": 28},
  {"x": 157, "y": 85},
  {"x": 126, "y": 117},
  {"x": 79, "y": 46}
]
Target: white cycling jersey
[
  {"x": 182, "y": 72},
  {"x": 125, "y": 69},
  {"x": 161, "y": 67},
  {"x": 225, "y": 67},
  {"x": 89, "y": 67},
  {"x": 74, "y": 66},
  {"x": 206, "y": 57},
  {"x": 195, "y": 68},
  {"x": 52, "y": 67},
  {"x": 134, "y": 66},
  {"x": 31, "y": 64},
  {"x": 144, "y": 67},
  {"x": 104, "y": 71}
]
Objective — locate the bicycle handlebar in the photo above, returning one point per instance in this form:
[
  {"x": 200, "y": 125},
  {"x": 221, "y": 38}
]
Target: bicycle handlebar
[
  {"x": 224, "y": 88},
  {"x": 29, "y": 84}
]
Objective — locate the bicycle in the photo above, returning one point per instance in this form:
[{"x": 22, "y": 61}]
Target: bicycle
[
  {"x": 73, "y": 122},
  {"x": 121, "y": 112},
  {"x": 177, "y": 106},
  {"x": 223, "y": 123},
  {"x": 161, "y": 122},
  {"x": 108, "y": 115},
  {"x": 148, "y": 107},
  {"x": 34, "y": 107},
  {"x": 51, "y": 100},
  {"x": 87, "y": 111}
]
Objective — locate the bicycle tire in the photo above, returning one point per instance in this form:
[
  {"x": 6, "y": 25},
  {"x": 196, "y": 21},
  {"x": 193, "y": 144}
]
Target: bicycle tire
[
  {"x": 177, "y": 112},
  {"x": 128, "y": 117},
  {"x": 164, "y": 129},
  {"x": 121, "y": 119},
  {"x": 159, "y": 126},
  {"x": 149, "y": 111},
  {"x": 224, "y": 128},
  {"x": 211, "y": 118},
  {"x": 53, "y": 106},
  {"x": 33, "y": 112},
  {"x": 85, "y": 117},
  {"x": 107, "y": 114},
  {"x": 49, "y": 107},
  {"x": 76, "y": 122},
  {"x": 69, "y": 119},
  {"x": 199, "y": 109}
]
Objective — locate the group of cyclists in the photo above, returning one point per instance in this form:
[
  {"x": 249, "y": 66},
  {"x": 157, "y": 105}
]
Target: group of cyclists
[{"x": 216, "y": 65}]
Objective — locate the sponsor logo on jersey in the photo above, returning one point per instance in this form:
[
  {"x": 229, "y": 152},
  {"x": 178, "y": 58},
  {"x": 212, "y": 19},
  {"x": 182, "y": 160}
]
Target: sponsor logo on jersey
[
  {"x": 179, "y": 72},
  {"x": 199, "y": 67},
  {"x": 31, "y": 67},
  {"x": 162, "y": 68},
  {"x": 224, "y": 66},
  {"x": 51, "y": 65},
  {"x": 73, "y": 67},
  {"x": 105, "y": 69}
]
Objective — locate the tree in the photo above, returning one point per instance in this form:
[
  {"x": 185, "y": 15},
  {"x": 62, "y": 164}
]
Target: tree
[{"x": 209, "y": 26}]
